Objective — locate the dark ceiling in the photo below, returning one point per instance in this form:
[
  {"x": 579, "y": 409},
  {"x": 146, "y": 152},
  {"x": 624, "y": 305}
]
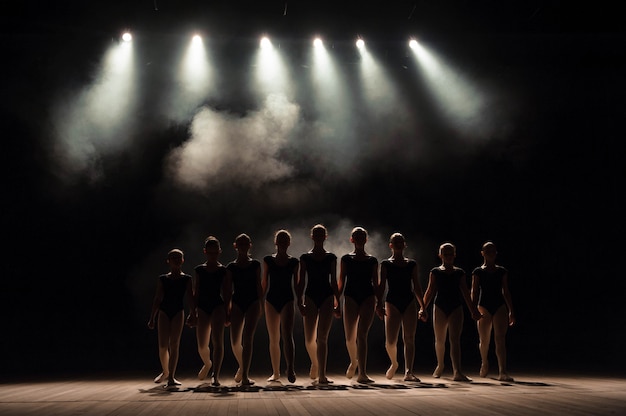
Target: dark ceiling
[{"x": 301, "y": 18}]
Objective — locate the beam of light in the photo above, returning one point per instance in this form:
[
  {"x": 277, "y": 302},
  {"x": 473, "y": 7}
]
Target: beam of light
[
  {"x": 385, "y": 105},
  {"x": 360, "y": 43},
  {"x": 127, "y": 37},
  {"x": 195, "y": 70},
  {"x": 378, "y": 90},
  {"x": 195, "y": 67},
  {"x": 330, "y": 100},
  {"x": 194, "y": 80},
  {"x": 271, "y": 75},
  {"x": 98, "y": 120},
  {"x": 318, "y": 43},
  {"x": 458, "y": 100},
  {"x": 328, "y": 90}
]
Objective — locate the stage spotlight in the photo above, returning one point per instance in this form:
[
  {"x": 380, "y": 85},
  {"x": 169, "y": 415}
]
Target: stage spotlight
[
  {"x": 127, "y": 37},
  {"x": 360, "y": 43},
  {"x": 317, "y": 42},
  {"x": 265, "y": 43},
  {"x": 413, "y": 44},
  {"x": 196, "y": 39}
]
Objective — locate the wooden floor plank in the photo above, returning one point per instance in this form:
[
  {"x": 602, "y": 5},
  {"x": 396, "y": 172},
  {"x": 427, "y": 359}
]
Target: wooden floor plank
[{"x": 137, "y": 396}]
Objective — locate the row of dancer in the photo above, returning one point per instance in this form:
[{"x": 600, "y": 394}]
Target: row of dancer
[{"x": 233, "y": 295}]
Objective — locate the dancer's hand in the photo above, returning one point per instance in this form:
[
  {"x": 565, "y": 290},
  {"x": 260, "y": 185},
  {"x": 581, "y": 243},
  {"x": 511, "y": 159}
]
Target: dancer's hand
[
  {"x": 422, "y": 315},
  {"x": 337, "y": 312},
  {"x": 192, "y": 320}
]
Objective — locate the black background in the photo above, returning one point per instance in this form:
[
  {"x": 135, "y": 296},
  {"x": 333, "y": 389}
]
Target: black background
[{"x": 81, "y": 256}]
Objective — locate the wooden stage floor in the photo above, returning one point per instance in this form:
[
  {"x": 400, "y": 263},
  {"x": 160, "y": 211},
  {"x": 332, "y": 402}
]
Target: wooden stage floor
[{"x": 530, "y": 394}]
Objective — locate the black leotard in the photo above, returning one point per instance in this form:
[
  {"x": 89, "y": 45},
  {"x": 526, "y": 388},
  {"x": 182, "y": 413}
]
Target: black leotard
[
  {"x": 209, "y": 287},
  {"x": 318, "y": 272},
  {"x": 400, "y": 283},
  {"x": 280, "y": 279},
  {"x": 244, "y": 283},
  {"x": 359, "y": 285},
  {"x": 174, "y": 289},
  {"x": 490, "y": 284},
  {"x": 448, "y": 296}
]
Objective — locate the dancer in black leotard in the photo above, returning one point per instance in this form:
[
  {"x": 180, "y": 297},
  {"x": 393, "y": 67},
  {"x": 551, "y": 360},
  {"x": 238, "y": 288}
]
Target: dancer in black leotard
[
  {"x": 212, "y": 292},
  {"x": 447, "y": 285},
  {"x": 358, "y": 281},
  {"x": 318, "y": 295},
  {"x": 401, "y": 307},
  {"x": 490, "y": 291},
  {"x": 169, "y": 305},
  {"x": 279, "y": 274},
  {"x": 246, "y": 306}
]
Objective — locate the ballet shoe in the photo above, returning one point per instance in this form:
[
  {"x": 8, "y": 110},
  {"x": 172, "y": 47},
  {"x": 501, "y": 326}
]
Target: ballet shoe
[
  {"x": 161, "y": 378},
  {"x": 461, "y": 377},
  {"x": 411, "y": 377},
  {"x": 291, "y": 376},
  {"x": 391, "y": 371},
  {"x": 505, "y": 377},
  {"x": 351, "y": 371}
]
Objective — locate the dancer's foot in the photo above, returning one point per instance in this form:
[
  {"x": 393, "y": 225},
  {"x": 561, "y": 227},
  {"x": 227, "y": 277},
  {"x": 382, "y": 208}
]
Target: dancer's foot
[
  {"x": 460, "y": 377},
  {"x": 351, "y": 371},
  {"x": 391, "y": 371},
  {"x": 484, "y": 369},
  {"x": 291, "y": 376},
  {"x": 274, "y": 377},
  {"x": 238, "y": 376},
  {"x": 324, "y": 380},
  {"x": 313, "y": 372},
  {"x": 364, "y": 379},
  {"x": 161, "y": 378},
  {"x": 411, "y": 377},
  {"x": 173, "y": 382},
  {"x": 505, "y": 377},
  {"x": 438, "y": 371},
  {"x": 204, "y": 371},
  {"x": 247, "y": 382},
  {"x": 215, "y": 382}
]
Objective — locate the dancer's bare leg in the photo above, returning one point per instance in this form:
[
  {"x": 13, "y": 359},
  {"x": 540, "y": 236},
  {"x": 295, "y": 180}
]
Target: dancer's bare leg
[
  {"x": 500, "y": 326},
  {"x": 176, "y": 330},
  {"x": 217, "y": 337},
  {"x": 251, "y": 320},
  {"x": 310, "y": 323},
  {"x": 393, "y": 321},
  {"x": 272, "y": 320},
  {"x": 350, "y": 322},
  {"x": 287, "y": 316},
  {"x": 163, "y": 329},
  {"x": 484, "y": 335},
  {"x": 366, "y": 317},
  {"x": 440, "y": 328},
  {"x": 455, "y": 326},
  {"x": 236, "y": 331},
  {"x": 203, "y": 337},
  {"x": 409, "y": 327},
  {"x": 323, "y": 329}
]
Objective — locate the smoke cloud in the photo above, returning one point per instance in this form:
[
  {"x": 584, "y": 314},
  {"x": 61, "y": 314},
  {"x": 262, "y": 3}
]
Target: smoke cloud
[{"x": 226, "y": 148}]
